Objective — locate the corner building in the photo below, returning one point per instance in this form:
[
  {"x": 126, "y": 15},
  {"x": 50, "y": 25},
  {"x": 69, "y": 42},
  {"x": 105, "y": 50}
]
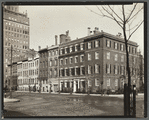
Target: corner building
[{"x": 96, "y": 62}]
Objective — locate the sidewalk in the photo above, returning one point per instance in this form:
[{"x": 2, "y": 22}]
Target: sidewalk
[
  {"x": 6, "y": 100},
  {"x": 110, "y": 95}
]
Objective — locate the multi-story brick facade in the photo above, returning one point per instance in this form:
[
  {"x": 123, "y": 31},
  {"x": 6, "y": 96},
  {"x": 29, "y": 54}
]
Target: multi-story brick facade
[
  {"x": 104, "y": 62},
  {"x": 53, "y": 67},
  {"x": 15, "y": 36},
  {"x": 43, "y": 70},
  {"x": 72, "y": 65}
]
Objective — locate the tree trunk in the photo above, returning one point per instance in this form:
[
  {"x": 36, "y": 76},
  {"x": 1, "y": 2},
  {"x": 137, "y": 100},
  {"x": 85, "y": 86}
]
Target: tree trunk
[{"x": 128, "y": 69}]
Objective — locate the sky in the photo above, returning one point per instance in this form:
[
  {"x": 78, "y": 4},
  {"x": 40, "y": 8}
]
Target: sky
[{"x": 48, "y": 21}]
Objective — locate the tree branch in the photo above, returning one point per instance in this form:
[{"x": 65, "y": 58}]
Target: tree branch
[
  {"x": 134, "y": 15},
  {"x": 118, "y": 22},
  {"x": 135, "y": 29},
  {"x": 131, "y": 12},
  {"x": 115, "y": 13}
]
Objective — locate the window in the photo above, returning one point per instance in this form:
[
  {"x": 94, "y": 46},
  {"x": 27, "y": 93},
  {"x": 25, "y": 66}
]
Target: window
[
  {"x": 82, "y": 58},
  {"x": 56, "y": 52},
  {"x": 134, "y": 60},
  {"x": 61, "y": 62},
  {"x": 49, "y": 53},
  {"x": 97, "y": 68},
  {"x": 82, "y": 70},
  {"x": 108, "y": 43},
  {"x": 89, "y": 56},
  {"x": 122, "y": 70},
  {"x": 71, "y": 60},
  {"x": 108, "y": 68},
  {"x": 115, "y": 69},
  {"x": 89, "y": 45},
  {"x": 108, "y": 82},
  {"x": 96, "y": 55},
  {"x": 129, "y": 49},
  {"x": 55, "y": 72},
  {"x": 70, "y": 71},
  {"x": 50, "y": 62},
  {"x": 65, "y": 50},
  {"x": 70, "y": 48},
  {"x": 97, "y": 82},
  {"x": 122, "y": 58},
  {"x": 76, "y": 47},
  {"x": 61, "y": 51},
  {"x": 116, "y": 57},
  {"x": 82, "y": 46},
  {"x": 115, "y": 45},
  {"x": 55, "y": 61},
  {"x": 122, "y": 47},
  {"x": 76, "y": 59},
  {"x": 97, "y": 43},
  {"x": 116, "y": 82},
  {"x": 108, "y": 55},
  {"x": 89, "y": 69},
  {"x": 66, "y": 60}
]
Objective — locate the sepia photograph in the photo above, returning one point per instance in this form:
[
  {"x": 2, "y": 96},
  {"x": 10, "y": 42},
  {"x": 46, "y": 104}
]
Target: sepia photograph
[{"x": 73, "y": 60}]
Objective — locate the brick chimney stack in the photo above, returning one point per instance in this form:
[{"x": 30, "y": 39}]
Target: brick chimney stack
[{"x": 56, "y": 39}]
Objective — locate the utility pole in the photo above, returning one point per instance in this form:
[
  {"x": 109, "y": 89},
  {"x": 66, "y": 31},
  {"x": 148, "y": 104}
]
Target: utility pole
[{"x": 11, "y": 73}]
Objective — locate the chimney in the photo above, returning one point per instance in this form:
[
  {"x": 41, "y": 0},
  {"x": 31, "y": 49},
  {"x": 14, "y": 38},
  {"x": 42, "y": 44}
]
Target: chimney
[
  {"x": 55, "y": 39},
  {"x": 96, "y": 30},
  {"x": 39, "y": 47},
  {"x": 89, "y": 32},
  {"x": 67, "y": 32}
]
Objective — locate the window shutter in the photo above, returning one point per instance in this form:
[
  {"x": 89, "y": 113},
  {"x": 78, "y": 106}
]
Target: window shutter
[
  {"x": 94, "y": 68},
  {"x": 91, "y": 70},
  {"x": 99, "y": 43},
  {"x": 114, "y": 45},
  {"x": 83, "y": 70},
  {"x": 118, "y": 69},
  {"x": 83, "y": 46},
  {"x": 87, "y": 70},
  {"x": 106, "y": 43},
  {"x": 91, "y": 45},
  {"x": 117, "y": 46},
  {"x": 78, "y": 71},
  {"x": 99, "y": 68},
  {"x": 94, "y": 44},
  {"x": 78, "y": 47},
  {"x": 110, "y": 43},
  {"x": 106, "y": 68},
  {"x": 87, "y": 45},
  {"x": 114, "y": 69},
  {"x": 110, "y": 68}
]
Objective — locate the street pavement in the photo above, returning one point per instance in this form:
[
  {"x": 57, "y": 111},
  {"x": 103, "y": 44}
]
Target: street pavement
[{"x": 33, "y": 104}]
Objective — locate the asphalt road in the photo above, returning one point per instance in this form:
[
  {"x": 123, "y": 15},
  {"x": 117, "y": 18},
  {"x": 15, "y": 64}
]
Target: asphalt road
[{"x": 64, "y": 105}]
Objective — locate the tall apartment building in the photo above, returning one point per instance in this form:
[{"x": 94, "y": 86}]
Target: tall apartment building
[{"x": 15, "y": 36}]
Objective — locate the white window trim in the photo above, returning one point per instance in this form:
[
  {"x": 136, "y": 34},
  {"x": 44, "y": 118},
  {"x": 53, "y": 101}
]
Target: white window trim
[
  {"x": 96, "y": 54},
  {"x": 81, "y": 58},
  {"x": 108, "y": 82},
  {"x": 90, "y": 57},
  {"x": 96, "y": 43},
  {"x": 75, "y": 59}
]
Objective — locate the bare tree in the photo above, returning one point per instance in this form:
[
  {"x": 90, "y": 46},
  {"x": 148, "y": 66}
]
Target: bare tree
[{"x": 126, "y": 19}]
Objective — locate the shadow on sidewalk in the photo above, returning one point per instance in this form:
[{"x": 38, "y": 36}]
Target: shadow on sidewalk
[{"x": 13, "y": 114}]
